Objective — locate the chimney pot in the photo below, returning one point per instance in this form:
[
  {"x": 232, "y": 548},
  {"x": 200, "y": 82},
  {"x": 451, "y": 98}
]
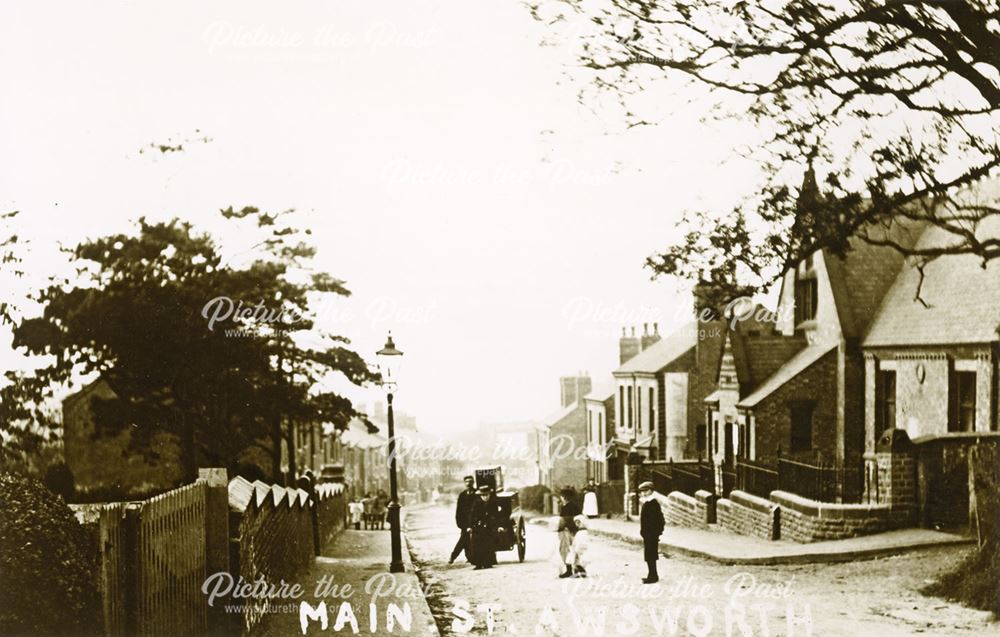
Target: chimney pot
[
  {"x": 645, "y": 329},
  {"x": 656, "y": 328},
  {"x": 633, "y": 330}
]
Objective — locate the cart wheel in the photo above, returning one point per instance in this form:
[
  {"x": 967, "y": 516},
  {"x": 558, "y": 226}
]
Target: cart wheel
[{"x": 522, "y": 541}]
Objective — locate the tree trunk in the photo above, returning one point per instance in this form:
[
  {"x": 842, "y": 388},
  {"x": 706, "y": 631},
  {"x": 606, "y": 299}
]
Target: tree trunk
[
  {"x": 276, "y": 449},
  {"x": 290, "y": 442},
  {"x": 188, "y": 463}
]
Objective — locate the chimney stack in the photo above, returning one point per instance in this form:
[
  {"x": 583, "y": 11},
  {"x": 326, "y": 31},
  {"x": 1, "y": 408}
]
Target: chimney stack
[
  {"x": 628, "y": 347},
  {"x": 648, "y": 340},
  {"x": 574, "y": 388}
]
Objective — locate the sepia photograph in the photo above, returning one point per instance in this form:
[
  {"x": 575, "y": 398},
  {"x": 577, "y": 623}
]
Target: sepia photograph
[{"x": 504, "y": 317}]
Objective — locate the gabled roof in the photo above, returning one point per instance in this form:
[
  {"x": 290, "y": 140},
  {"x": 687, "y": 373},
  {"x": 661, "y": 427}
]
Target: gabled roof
[
  {"x": 765, "y": 355},
  {"x": 602, "y": 392},
  {"x": 663, "y": 352},
  {"x": 861, "y": 278},
  {"x": 795, "y": 366},
  {"x": 962, "y": 296},
  {"x": 556, "y": 416}
]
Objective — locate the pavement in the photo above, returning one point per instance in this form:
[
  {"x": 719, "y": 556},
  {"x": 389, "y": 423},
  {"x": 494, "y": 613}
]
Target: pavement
[
  {"x": 730, "y": 548},
  {"x": 358, "y": 560}
]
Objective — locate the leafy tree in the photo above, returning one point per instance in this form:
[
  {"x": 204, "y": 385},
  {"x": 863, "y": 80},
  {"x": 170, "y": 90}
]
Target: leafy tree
[
  {"x": 25, "y": 423},
  {"x": 141, "y": 316},
  {"x": 10, "y": 263},
  {"x": 893, "y": 104}
]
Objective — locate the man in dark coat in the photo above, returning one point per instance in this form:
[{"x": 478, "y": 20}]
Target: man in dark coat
[
  {"x": 650, "y": 528},
  {"x": 463, "y": 518},
  {"x": 485, "y": 526}
]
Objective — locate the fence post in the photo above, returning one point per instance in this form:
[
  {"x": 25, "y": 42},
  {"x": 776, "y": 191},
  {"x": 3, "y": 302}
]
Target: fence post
[
  {"x": 216, "y": 535},
  {"x": 133, "y": 574}
]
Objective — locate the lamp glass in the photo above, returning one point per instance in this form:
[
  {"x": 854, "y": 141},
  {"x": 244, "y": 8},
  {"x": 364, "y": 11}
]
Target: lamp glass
[{"x": 389, "y": 363}]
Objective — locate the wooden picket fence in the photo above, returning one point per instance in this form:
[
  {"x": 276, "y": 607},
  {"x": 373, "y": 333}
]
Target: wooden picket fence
[
  {"x": 155, "y": 554},
  {"x": 152, "y": 558},
  {"x": 170, "y": 561}
]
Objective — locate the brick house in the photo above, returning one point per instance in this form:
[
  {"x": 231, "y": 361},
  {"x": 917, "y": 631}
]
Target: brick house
[
  {"x": 811, "y": 406},
  {"x": 931, "y": 367},
  {"x": 602, "y": 466},
  {"x": 564, "y": 460},
  {"x": 660, "y": 391},
  {"x": 751, "y": 354},
  {"x": 566, "y": 441},
  {"x": 102, "y": 459}
]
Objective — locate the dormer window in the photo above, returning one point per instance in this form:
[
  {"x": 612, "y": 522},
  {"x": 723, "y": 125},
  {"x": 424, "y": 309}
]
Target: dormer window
[{"x": 806, "y": 297}]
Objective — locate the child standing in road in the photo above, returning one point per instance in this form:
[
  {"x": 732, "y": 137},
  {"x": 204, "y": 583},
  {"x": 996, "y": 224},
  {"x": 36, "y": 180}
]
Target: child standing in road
[{"x": 578, "y": 551}]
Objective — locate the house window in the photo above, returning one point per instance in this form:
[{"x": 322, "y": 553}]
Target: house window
[
  {"x": 652, "y": 411},
  {"x": 885, "y": 400},
  {"x": 964, "y": 410},
  {"x": 630, "y": 424},
  {"x": 806, "y": 298},
  {"x": 621, "y": 406},
  {"x": 638, "y": 408},
  {"x": 744, "y": 450},
  {"x": 801, "y": 418},
  {"x": 700, "y": 439}
]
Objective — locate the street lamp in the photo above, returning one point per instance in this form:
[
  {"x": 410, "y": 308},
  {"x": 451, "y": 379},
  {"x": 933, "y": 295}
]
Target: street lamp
[{"x": 388, "y": 366}]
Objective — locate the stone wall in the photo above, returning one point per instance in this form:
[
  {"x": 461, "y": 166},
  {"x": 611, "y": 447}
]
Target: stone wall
[
  {"x": 684, "y": 510},
  {"x": 748, "y": 514},
  {"x": 804, "y": 520}
]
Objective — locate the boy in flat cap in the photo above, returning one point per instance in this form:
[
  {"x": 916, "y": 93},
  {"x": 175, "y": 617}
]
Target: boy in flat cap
[{"x": 650, "y": 528}]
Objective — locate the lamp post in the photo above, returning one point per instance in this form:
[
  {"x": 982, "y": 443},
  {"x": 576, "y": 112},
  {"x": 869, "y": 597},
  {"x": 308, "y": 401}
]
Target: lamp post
[{"x": 389, "y": 359}]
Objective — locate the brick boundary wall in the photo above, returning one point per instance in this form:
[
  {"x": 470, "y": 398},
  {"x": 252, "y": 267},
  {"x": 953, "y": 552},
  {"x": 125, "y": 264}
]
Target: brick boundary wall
[
  {"x": 805, "y": 520},
  {"x": 747, "y": 514}
]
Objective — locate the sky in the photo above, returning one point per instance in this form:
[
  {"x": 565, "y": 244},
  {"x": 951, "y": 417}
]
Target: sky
[{"x": 437, "y": 152}]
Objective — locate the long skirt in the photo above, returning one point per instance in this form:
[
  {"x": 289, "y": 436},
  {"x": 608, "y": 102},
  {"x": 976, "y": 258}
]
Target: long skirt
[
  {"x": 481, "y": 550},
  {"x": 590, "y": 504}
]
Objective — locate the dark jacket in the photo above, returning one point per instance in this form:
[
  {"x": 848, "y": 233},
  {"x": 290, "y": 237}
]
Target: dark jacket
[
  {"x": 484, "y": 520},
  {"x": 463, "y": 509},
  {"x": 651, "y": 520},
  {"x": 566, "y": 514}
]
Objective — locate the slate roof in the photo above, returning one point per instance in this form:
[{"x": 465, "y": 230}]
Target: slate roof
[
  {"x": 555, "y": 417},
  {"x": 663, "y": 352},
  {"x": 861, "y": 278},
  {"x": 963, "y": 296},
  {"x": 765, "y": 355},
  {"x": 602, "y": 392},
  {"x": 798, "y": 364}
]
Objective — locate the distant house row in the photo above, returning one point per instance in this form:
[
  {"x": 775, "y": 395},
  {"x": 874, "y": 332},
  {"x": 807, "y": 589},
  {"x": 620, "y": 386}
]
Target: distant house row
[{"x": 858, "y": 344}]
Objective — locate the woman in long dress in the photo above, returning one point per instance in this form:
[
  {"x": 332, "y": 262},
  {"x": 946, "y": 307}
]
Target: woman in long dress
[
  {"x": 590, "y": 499},
  {"x": 482, "y": 550}
]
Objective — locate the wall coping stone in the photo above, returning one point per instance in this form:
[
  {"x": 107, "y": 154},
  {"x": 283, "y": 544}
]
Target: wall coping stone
[
  {"x": 703, "y": 496},
  {"x": 828, "y": 510},
  {"x": 678, "y": 497},
  {"x": 751, "y": 501}
]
